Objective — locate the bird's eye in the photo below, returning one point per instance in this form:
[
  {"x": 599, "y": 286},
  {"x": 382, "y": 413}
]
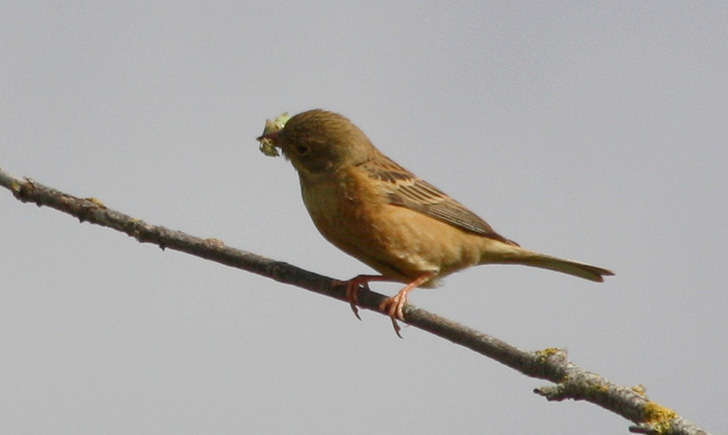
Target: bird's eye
[{"x": 302, "y": 149}]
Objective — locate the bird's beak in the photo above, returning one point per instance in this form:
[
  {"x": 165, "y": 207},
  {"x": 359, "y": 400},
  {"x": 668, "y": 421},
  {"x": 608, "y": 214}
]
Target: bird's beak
[{"x": 272, "y": 137}]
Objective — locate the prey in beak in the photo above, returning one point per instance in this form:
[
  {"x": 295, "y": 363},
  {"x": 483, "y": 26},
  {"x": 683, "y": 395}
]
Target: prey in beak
[{"x": 270, "y": 135}]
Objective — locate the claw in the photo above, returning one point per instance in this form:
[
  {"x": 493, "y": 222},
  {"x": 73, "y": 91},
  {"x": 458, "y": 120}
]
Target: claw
[
  {"x": 393, "y": 306},
  {"x": 354, "y": 285},
  {"x": 352, "y": 295}
]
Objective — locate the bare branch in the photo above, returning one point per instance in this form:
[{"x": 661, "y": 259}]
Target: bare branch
[{"x": 572, "y": 382}]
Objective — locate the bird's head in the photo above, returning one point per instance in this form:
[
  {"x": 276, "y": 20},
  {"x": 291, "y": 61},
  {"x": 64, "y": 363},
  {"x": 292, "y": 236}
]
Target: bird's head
[{"x": 318, "y": 141}]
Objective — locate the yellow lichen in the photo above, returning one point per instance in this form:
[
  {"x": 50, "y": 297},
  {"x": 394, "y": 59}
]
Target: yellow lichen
[
  {"x": 659, "y": 416},
  {"x": 601, "y": 387},
  {"x": 96, "y": 201},
  {"x": 640, "y": 389},
  {"x": 547, "y": 353}
]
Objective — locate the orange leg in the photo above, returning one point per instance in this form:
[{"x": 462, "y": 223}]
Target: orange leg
[
  {"x": 352, "y": 289},
  {"x": 393, "y": 305}
]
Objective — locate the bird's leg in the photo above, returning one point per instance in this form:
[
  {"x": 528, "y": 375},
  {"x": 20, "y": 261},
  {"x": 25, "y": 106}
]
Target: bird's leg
[
  {"x": 352, "y": 289},
  {"x": 393, "y": 305}
]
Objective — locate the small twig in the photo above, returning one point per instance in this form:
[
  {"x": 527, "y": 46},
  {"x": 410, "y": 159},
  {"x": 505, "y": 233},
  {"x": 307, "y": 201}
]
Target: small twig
[{"x": 572, "y": 382}]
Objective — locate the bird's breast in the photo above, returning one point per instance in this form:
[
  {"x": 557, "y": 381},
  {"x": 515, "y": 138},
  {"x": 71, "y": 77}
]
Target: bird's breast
[{"x": 341, "y": 210}]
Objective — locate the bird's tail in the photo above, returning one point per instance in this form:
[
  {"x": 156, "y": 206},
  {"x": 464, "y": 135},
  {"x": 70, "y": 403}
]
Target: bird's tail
[{"x": 509, "y": 254}]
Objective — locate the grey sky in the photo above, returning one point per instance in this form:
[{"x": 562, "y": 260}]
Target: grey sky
[{"x": 590, "y": 132}]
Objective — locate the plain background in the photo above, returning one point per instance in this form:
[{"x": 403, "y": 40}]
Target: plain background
[{"x": 595, "y": 132}]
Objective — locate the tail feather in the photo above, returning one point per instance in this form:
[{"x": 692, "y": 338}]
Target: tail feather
[
  {"x": 582, "y": 270},
  {"x": 509, "y": 254}
]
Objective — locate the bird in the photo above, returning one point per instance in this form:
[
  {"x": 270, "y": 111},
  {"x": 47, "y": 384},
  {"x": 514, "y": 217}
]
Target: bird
[{"x": 377, "y": 211}]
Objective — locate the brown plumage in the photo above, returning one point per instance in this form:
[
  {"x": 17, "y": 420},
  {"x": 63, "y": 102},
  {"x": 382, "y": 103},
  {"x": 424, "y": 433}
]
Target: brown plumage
[{"x": 384, "y": 215}]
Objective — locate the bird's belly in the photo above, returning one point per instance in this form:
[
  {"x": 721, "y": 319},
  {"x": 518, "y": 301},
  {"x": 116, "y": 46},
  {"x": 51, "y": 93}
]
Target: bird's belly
[{"x": 399, "y": 243}]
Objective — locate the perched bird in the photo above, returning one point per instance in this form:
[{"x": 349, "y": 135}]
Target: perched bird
[{"x": 375, "y": 210}]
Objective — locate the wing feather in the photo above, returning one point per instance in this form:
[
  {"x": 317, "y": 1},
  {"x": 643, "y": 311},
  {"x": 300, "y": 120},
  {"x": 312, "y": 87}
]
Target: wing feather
[{"x": 405, "y": 189}]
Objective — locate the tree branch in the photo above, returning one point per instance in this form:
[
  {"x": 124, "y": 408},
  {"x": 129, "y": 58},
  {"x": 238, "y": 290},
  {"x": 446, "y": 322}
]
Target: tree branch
[{"x": 572, "y": 382}]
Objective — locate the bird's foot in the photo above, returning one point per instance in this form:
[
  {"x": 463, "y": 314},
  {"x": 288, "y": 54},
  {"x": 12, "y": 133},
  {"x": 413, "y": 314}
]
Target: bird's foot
[
  {"x": 393, "y": 306},
  {"x": 354, "y": 285}
]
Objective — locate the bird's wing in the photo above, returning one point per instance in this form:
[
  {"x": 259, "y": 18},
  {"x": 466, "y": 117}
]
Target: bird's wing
[{"x": 405, "y": 189}]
